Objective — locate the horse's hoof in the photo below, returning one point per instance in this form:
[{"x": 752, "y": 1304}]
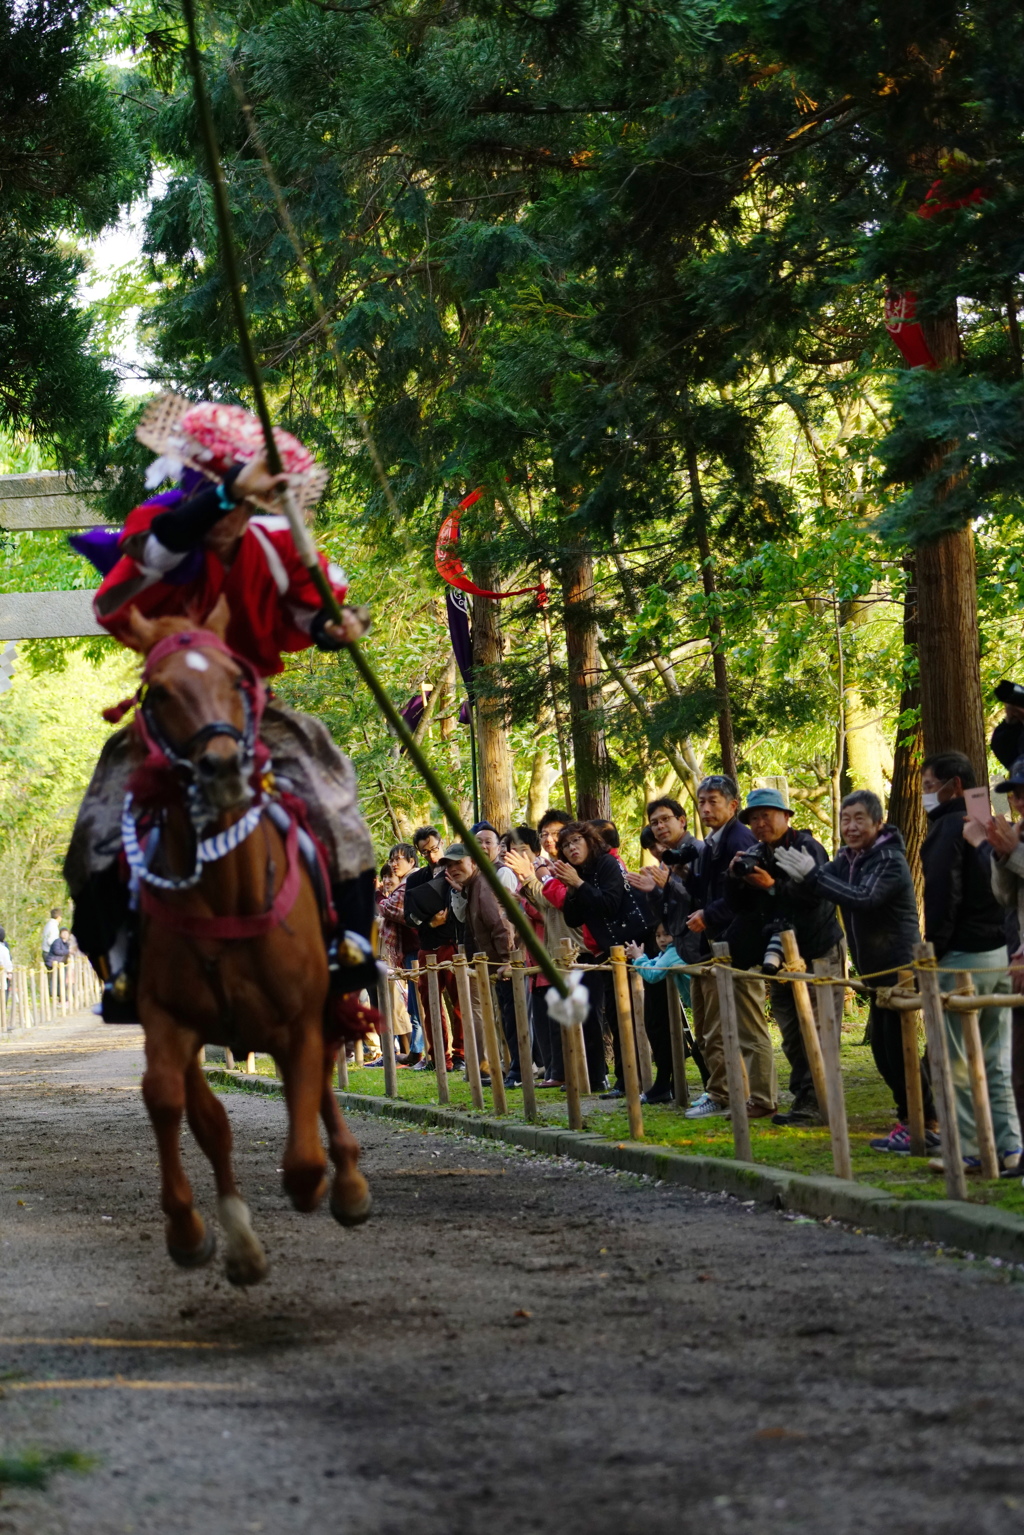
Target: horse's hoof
[
  {"x": 245, "y": 1262},
  {"x": 194, "y": 1257},
  {"x": 304, "y": 1194},
  {"x": 353, "y": 1214},
  {"x": 246, "y": 1270}
]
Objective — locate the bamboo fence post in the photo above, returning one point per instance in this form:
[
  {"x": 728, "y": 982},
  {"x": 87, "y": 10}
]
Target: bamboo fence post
[
  {"x": 735, "y": 1072},
  {"x": 3, "y": 1001},
  {"x": 805, "y": 1015},
  {"x": 573, "y": 1032},
  {"x": 643, "y": 1044},
  {"x": 680, "y": 1089},
  {"x": 627, "y": 1042},
  {"x": 201, "y": 1057},
  {"x": 483, "y": 986},
  {"x": 523, "y": 1036},
  {"x": 342, "y": 1066},
  {"x": 76, "y": 1000},
  {"x": 912, "y": 1072},
  {"x": 44, "y": 1004},
  {"x": 465, "y": 992},
  {"x": 830, "y": 1014},
  {"x": 970, "y": 1024},
  {"x": 387, "y": 1036},
  {"x": 33, "y": 992},
  {"x": 229, "y": 1059},
  {"x": 250, "y": 1063},
  {"x": 942, "y": 1076},
  {"x": 436, "y": 1024},
  {"x": 62, "y": 996}
]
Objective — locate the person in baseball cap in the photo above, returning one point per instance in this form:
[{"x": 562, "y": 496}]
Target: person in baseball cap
[{"x": 1014, "y": 781}]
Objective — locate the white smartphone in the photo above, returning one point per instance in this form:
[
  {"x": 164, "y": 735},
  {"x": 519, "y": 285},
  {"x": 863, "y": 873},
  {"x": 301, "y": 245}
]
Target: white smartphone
[{"x": 978, "y": 807}]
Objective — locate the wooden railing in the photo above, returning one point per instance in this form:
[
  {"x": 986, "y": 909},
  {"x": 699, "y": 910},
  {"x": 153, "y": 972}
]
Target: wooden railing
[{"x": 33, "y": 995}]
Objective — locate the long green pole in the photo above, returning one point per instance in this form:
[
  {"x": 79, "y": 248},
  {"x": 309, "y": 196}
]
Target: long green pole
[{"x": 300, "y": 533}]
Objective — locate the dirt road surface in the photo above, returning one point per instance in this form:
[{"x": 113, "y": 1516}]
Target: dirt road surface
[{"x": 511, "y": 1345}]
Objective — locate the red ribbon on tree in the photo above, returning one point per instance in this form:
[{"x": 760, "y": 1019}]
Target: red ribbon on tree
[
  {"x": 901, "y": 308},
  {"x": 451, "y": 569}
]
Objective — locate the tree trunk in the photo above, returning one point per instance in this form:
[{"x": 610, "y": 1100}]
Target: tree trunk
[
  {"x": 593, "y": 797},
  {"x": 905, "y": 808},
  {"x": 542, "y": 776},
  {"x": 949, "y": 657},
  {"x": 700, "y": 521},
  {"x": 497, "y": 795}
]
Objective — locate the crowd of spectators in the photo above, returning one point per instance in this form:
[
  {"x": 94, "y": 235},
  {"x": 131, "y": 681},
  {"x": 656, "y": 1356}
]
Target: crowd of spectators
[{"x": 751, "y": 876}]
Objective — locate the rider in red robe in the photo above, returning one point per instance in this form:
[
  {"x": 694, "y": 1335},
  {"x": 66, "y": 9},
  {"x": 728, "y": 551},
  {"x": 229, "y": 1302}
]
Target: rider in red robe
[{"x": 178, "y": 554}]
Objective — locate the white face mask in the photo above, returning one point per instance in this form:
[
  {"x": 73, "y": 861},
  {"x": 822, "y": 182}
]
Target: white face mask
[{"x": 930, "y": 801}]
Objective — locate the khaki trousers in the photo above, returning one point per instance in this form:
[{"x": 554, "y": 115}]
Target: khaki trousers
[{"x": 755, "y": 1039}]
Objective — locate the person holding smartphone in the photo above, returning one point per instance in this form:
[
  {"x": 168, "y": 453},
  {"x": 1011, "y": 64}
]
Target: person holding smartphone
[{"x": 964, "y": 922}]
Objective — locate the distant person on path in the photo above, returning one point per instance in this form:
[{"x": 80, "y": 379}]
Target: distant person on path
[
  {"x": 51, "y": 932},
  {"x": 871, "y": 883},
  {"x": 6, "y": 963}
]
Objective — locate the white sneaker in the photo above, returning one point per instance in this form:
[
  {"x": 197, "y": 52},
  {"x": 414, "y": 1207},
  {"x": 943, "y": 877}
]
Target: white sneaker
[{"x": 704, "y": 1107}]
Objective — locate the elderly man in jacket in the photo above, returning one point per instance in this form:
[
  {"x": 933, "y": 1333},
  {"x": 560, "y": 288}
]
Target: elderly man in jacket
[
  {"x": 767, "y": 900},
  {"x": 964, "y": 922},
  {"x": 711, "y": 916},
  {"x": 871, "y": 883}
]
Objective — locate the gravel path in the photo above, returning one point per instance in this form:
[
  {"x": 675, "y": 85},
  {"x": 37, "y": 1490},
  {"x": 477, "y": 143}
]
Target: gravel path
[{"x": 511, "y": 1345}]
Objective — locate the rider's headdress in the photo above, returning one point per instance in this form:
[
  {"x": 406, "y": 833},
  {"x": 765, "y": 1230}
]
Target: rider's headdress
[{"x": 210, "y": 437}]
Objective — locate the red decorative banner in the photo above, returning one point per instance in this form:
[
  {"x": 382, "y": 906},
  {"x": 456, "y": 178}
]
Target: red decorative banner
[
  {"x": 451, "y": 569},
  {"x": 901, "y": 308}
]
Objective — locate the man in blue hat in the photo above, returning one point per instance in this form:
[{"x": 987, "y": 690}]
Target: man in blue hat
[{"x": 767, "y": 900}]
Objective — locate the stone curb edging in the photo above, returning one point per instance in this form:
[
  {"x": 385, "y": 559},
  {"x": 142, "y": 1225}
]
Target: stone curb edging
[{"x": 979, "y": 1229}]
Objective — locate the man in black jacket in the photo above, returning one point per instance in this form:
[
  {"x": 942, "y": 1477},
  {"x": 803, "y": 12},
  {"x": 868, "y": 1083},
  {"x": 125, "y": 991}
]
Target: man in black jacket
[
  {"x": 428, "y": 910},
  {"x": 964, "y": 922},
  {"x": 768, "y": 900},
  {"x": 712, "y": 915},
  {"x": 871, "y": 883}
]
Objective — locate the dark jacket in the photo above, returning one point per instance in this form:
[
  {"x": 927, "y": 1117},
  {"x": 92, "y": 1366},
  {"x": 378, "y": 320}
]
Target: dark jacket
[
  {"x": 606, "y": 904},
  {"x": 708, "y": 881},
  {"x": 960, "y": 910},
  {"x": 426, "y": 893},
  {"x": 789, "y": 903},
  {"x": 874, "y": 891},
  {"x": 1007, "y": 742},
  {"x": 673, "y": 904}
]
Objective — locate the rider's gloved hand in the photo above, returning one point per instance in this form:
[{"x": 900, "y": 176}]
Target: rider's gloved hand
[{"x": 328, "y": 635}]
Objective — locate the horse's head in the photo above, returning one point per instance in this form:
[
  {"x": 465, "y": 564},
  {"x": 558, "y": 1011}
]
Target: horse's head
[{"x": 198, "y": 705}]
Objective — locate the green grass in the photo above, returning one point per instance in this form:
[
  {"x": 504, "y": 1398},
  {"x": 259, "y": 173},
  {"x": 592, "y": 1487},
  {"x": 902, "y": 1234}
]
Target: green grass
[
  {"x": 34, "y": 1468},
  {"x": 868, "y": 1106}
]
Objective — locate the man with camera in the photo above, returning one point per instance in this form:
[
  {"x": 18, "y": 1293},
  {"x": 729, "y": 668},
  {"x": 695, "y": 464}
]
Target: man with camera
[
  {"x": 712, "y": 916},
  {"x": 767, "y": 901}
]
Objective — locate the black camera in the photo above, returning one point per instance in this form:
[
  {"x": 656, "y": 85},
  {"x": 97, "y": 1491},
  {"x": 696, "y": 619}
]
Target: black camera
[
  {"x": 1010, "y": 693},
  {"x": 746, "y": 862},
  {"x": 679, "y": 855}
]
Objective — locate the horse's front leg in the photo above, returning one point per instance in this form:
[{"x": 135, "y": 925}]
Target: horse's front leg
[
  {"x": 351, "y": 1200},
  {"x": 245, "y": 1262},
  {"x": 302, "y": 1068},
  {"x": 168, "y": 1051}
]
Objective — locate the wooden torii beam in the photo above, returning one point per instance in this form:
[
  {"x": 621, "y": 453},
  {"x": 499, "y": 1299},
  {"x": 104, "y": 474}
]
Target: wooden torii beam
[{"x": 33, "y": 502}]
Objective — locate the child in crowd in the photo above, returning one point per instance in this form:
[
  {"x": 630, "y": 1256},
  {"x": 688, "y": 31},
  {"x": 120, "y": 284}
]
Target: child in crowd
[{"x": 655, "y": 970}]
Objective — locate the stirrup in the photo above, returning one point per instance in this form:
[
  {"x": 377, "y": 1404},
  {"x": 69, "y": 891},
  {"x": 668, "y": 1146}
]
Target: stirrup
[{"x": 351, "y": 962}]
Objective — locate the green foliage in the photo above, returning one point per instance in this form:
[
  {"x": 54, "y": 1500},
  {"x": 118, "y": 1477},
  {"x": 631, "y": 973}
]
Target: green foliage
[
  {"x": 34, "y": 1468},
  {"x": 69, "y": 162}
]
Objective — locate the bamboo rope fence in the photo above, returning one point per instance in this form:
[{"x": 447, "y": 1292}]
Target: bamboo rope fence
[
  {"x": 917, "y": 994},
  {"x": 31, "y": 995}
]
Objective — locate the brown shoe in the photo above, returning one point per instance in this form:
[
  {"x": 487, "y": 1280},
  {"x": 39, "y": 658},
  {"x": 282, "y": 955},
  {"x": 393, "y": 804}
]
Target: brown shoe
[{"x": 758, "y": 1110}]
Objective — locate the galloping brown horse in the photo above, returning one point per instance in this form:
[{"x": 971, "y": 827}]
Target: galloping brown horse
[{"x": 231, "y": 949}]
